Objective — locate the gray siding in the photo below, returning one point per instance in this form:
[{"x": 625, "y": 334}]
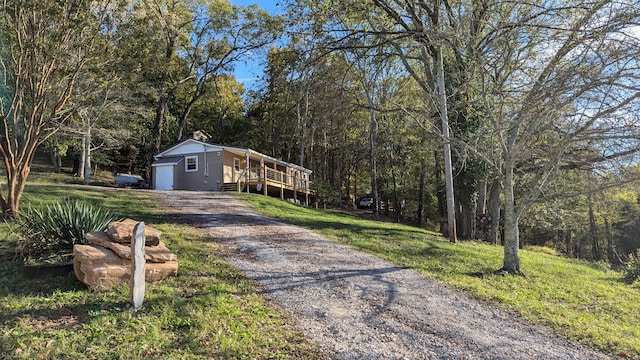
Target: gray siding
[{"x": 200, "y": 180}]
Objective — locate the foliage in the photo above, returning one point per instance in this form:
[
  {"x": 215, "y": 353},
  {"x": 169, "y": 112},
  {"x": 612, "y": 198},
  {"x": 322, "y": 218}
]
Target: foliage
[
  {"x": 42, "y": 55},
  {"x": 543, "y": 249},
  {"x": 583, "y": 301},
  {"x": 326, "y": 194},
  {"x": 632, "y": 268},
  {"x": 56, "y": 227}
]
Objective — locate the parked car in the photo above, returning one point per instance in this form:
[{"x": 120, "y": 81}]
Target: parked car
[
  {"x": 365, "y": 203},
  {"x": 131, "y": 180}
]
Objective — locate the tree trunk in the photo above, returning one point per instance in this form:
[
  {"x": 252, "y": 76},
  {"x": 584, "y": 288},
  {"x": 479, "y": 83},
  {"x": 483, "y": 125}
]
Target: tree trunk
[
  {"x": 481, "y": 203},
  {"x": 56, "y": 161},
  {"x": 372, "y": 158},
  {"x": 440, "y": 193},
  {"x": 494, "y": 206},
  {"x": 448, "y": 168},
  {"x": 87, "y": 156},
  {"x": 303, "y": 125},
  {"x": 421, "y": 191},
  {"x": 611, "y": 251},
  {"x": 157, "y": 128},
  {"x": 397, "y": 211},
  {"x": 185, "y": 116},
  {"x": 339, "y": 181},
  {"x": 83, "y": 157},
  {"x": 595, "y": 247},
  {"x": 568, "y": 245},
  {"x": 16, "y": 181},
  {"x": 511, "y": 233},
  {"x": 163, "y": 97}
]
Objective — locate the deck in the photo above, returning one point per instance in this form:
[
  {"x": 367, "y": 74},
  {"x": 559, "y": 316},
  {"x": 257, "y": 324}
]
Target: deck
[{"x": 276, "y": 183}]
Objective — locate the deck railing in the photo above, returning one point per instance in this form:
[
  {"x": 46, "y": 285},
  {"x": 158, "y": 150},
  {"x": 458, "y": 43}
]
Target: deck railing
[{"x": 276, "y": 178}]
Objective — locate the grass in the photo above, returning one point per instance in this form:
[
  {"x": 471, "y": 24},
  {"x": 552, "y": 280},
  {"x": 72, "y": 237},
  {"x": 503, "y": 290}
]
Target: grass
[
  {"x": 208, "y": 311},
  {"x": 582, "y": 301},
  {"x": 211, "y": 311}
]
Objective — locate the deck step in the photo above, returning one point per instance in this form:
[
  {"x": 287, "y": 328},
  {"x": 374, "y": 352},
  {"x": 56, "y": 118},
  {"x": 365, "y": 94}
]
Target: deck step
[{"x": 228, "y": 187}]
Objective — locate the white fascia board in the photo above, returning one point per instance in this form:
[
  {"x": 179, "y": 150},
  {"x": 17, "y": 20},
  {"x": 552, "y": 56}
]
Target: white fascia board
[{"x": 187, "y": 147}]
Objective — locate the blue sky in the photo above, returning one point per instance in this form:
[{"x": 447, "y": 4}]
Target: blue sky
[
  {"x": 248, "y": 73},
  {"x": 269, "y": 5}
]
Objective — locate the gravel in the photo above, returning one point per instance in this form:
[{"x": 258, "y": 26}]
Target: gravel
[{"x": 358, "y": 306}]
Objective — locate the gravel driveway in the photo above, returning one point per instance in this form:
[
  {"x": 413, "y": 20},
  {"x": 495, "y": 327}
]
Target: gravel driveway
[{"x": 358, "y": 306}]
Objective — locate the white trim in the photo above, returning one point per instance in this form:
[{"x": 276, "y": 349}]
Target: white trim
[{"x": 186, "y": 163}]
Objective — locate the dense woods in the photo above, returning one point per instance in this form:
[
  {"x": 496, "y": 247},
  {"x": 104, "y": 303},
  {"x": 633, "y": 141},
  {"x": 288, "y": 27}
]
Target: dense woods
[{"x": 521, "y": 120}]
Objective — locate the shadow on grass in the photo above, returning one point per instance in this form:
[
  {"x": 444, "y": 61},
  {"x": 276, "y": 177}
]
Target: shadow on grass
[{"x": 13, "y": 281}]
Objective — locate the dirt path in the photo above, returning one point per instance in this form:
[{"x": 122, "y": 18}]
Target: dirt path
[{"x": 356, "y": 305}]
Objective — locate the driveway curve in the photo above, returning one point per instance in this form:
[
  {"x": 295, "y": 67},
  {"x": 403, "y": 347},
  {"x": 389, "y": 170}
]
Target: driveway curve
[{"x": 358, "y": 306}]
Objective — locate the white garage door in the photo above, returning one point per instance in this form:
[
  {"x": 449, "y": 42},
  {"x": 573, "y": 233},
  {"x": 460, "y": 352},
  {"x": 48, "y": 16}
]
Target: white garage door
[{"x": 164, "y": 177}]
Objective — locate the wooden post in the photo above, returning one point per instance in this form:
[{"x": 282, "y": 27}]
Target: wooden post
[
  {"x": 281, "y": 185},
  {"x": 246, "y": 171},
  {"x": 295, "y": 181},
  {"x": 306, "y": 190},
  {"x": 263, "y": 169},
  {"x": 138, "y": 264}
]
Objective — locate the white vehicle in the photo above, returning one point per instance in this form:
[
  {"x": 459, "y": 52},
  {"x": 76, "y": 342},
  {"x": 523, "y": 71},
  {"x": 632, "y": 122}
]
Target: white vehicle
[
  {"x": 123, "y": 180},
  {"x": 365, "y": 203}
]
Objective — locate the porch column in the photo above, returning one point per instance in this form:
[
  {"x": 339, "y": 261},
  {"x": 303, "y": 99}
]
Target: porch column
[
  {"x": 307, "y": 190},
  {"x": 281, "y": 185},
  {"x": 295, "y": 181},
  {"x": 246, "y": 171},
  {"x": 263, "y": 168}
]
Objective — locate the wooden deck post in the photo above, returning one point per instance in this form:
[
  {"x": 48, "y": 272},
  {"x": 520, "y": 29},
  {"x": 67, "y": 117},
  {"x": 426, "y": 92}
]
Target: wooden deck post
[
  {"x": 281, "y": 185},
  {"x": 246, "y": 171},
  {"x": 295, "y": 181},
  {"x": 264, "y": 176},
  {"x": 306, "y": 192}
]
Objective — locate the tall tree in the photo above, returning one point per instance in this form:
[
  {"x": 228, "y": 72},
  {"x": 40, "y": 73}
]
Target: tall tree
[
  {"x": 201, "y": 39},
  {"x": 564, "y": 80},
  {"x": 222, "y": 35},
  {"x": 419, "y": 35},
  {"x": 43, "y": 47}
]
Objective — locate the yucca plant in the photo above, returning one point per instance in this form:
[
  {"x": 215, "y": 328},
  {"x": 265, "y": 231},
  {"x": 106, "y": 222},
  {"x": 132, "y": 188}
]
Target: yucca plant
[{"x": 55, "y": 228}]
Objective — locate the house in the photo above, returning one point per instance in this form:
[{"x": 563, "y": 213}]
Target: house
[{"x": 197, "y": 165}]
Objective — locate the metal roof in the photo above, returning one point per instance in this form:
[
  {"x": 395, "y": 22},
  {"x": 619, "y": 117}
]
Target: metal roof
[{"x": 171, "y": 160}]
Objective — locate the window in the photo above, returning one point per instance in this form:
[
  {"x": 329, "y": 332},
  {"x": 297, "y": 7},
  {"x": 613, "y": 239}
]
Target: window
[
  {"x": 236, "y": 164},
  {"x": 191, "y": 164}
]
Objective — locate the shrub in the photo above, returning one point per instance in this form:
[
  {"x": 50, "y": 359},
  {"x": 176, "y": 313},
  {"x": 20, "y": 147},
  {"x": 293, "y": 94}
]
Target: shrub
[
  {"x": 542, "y": 249},
  {"x": 55, "y": 228},
  {"x": 632, "y": 268}
]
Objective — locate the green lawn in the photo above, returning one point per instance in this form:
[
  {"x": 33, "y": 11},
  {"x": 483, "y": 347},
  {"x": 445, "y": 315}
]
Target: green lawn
[
  {"x": 583, "y": 301},
  {"x": 209, "y": 311}
]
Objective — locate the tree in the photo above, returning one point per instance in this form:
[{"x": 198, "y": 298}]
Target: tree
[
  {"x": 43, "y": 46},
  {"x": 201, "y": 39},
  {"x": 227, "y": 34},
  {"x": 371, "y": 67},
  {"x": 564, "y": 81},
  {"x": 550, "y": 79},
  {"x": 219, "y": 111}
]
